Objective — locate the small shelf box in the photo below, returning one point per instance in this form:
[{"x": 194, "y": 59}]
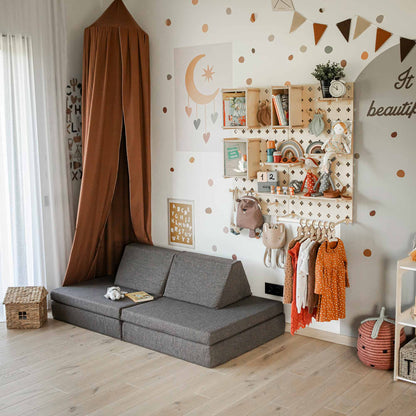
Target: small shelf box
[
  {"x": 235, "y": 151},
  {"x": 239, "y": 108},
  {"x": 407, "y": 366},
  {"x": 286, "y": 99},
  {"x": 25, "y": 307}
]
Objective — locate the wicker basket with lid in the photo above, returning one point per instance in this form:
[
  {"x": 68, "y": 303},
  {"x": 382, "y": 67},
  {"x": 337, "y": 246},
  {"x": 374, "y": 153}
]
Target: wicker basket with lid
[{"x": 25, "y": 307}]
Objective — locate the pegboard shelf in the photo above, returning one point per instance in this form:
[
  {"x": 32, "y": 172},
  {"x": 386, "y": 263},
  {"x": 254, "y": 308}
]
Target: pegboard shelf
[
  {"x": 321, "y": 155},
  {"x": 334, "y": 99},
  {"x": 302, "y": 196},
  {"x": 282, "y": 164}
]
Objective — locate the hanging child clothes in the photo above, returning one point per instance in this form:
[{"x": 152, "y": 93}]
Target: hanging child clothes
[
  {"x": 331, "y": 279},
  {"x": 313, "y": 298},
  {"x": 302, "y": 274},
  {"x": 288, "y": 287}
]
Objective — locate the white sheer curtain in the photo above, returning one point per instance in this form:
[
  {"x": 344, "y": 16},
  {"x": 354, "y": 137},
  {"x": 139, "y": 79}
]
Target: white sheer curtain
[{"x": 36, "y": 224}]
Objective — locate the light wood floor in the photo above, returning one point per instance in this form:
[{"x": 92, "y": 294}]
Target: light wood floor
[{"x": 64, "y": 370}]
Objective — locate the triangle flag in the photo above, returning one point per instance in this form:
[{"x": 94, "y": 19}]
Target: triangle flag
[
  {"x": 381, "y": 38},
  {"x": 360, "y": 26},
  {"x": 318, "y": 31},
  {"x": 344, "y": 27},
  {"x": 406, "y": 45},
  {"x": 297, "y": 21},
  {"x": 282, "y": 5}
]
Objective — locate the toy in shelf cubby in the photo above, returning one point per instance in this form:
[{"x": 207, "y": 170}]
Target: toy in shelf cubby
[{"x": 240, "y": 108}]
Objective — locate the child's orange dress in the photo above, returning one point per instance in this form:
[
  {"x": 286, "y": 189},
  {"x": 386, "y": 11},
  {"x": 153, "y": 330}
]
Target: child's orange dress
[{"x": 331, "y": 279}]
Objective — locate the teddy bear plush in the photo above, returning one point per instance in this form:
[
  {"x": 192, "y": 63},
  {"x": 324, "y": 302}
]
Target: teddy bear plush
[{"x": 114, "y": 293}]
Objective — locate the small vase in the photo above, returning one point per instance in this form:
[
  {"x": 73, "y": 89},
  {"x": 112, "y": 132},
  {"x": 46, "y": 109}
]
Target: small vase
[{"x": 325, "y": 88}]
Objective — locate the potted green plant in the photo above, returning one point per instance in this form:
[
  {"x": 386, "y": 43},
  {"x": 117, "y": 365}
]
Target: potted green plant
[{"x": 325, "y": 73}]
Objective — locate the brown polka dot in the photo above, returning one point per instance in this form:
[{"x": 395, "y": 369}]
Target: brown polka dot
[
  {"x": 168, "y": 22},
  {"x": 367, "y": 252},
  {"x": 241, "y": 59},
  {"x": 169, "y": 77},
  {"x": 228, "y": 10},
  {"x": 194, "y": 2},
  {"x": 165, "y": 110},
  {"x": 234, "y": 256},
  {"x": 321, "y": 10},
  {"x": 205, "y": 28},
  {"x": 290, "y": 57},
  {"x": 210, "y": 182},
  {"x": 214, "y": 248},
  {"x": 253, "y": 17},
  {"x": 249, "y": 81},
  {"x": 372, "y": 213},
  {"x": 357, "y": 155},
  {"x": 253, "y": 50},
  {"x": 208, "y": 210},
  {"x": 364, "y": 55},
  {"x": 172, "y": 169},
  {"x": 343, "y": 63},
  {"x": 225, "y": 229},
  {"x": 287, "y": 83},
  {"x": 270, "y": 38},
  {"x": 191, "y": 159},
  {"x": 394, "y": 134},
  {"x": 400, "y": 173},
  {"x": 379, "y": 18}
]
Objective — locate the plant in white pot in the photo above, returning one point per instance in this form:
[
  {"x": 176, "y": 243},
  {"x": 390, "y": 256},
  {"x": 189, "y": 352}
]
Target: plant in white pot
[{"x": 325, "y": 73}]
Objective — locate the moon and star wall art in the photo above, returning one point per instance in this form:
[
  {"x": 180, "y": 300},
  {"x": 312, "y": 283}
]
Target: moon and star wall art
[{"x": 200, "y": 73}]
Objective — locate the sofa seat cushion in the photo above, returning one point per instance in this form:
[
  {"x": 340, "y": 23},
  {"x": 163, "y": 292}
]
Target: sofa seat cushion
[
  {"x": 198, "y": 323},
  {"x": 89, "y": 296},
  {"x": 144, "y": 267}
]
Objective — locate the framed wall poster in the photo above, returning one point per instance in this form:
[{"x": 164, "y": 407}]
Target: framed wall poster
[{"x": 181, "y": 222}]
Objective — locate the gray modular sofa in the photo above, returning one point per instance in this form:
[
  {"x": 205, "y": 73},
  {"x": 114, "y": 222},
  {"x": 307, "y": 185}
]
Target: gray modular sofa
[{"x": 203, "y": 310}]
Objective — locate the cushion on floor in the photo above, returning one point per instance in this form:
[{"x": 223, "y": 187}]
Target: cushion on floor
[
  {"x": 201, "y": 324},
  {"x": 210, "y": 281},
  {"x": 144, "y": 267},
  {"x": 89, "y": 296}
]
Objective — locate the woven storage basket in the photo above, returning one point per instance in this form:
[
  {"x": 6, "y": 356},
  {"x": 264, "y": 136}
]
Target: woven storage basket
[
  {"x": 378, "y": 352},
  {"x": 25, "y": 307},
  {"x": 407, "y": 365}
]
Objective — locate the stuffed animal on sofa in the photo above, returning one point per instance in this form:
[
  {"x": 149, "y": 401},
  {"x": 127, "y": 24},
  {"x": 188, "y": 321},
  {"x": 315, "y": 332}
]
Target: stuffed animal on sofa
[{"x": 114, "y": 293}]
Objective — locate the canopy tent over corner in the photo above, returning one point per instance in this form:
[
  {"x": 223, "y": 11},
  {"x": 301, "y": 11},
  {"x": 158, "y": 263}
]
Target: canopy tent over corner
[{"x": 114, "y": 206}]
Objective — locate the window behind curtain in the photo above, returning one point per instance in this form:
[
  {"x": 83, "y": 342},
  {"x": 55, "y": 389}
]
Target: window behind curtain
[{"x": 21, "y": 229}]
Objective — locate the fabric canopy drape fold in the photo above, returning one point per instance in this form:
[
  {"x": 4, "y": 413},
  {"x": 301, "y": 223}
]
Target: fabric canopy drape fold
[{"x": 114, "y": 207}]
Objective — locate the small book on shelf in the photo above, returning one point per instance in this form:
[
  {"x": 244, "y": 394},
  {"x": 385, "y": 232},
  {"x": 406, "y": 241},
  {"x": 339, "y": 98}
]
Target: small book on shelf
[
  {"x": 278, "y": 106},
  {"x": 139, "y": 296}
]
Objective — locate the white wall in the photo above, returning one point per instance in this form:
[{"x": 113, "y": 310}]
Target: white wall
[{"x": 269, "y": 65}]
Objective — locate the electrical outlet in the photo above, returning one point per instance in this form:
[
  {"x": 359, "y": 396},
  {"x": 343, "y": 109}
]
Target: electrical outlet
[{"x": 273, "y": 289}]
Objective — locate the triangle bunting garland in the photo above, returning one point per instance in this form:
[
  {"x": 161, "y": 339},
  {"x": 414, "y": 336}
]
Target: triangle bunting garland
[
  {"x": 361, "y": 26},
  {"x": 344, "y": 27},
  {"x": 381, "y": 38},
  {"x": 282, "y": 5},
  {"x": 318, "y": 31},
  {"x": 406, "y": 45},
  {"x": 297, "y": 21}
]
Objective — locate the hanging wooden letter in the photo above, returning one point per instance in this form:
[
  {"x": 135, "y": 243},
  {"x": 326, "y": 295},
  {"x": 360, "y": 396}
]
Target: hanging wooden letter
[
  {"x": 406, "y": 45},
  {"x": 344, "y": 27},
  {"x": 297, "y": 21},
  {"x": 318, "y": 31},
  {"x": 381, "y": 38},
  {"x": 360, "y": 26}
]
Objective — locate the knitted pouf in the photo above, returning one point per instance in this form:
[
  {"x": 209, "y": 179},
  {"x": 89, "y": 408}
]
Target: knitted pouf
[{"x": 377, "y": 352}]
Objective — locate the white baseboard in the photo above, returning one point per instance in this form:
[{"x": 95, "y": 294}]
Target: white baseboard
[{"x": 325, "y": 336}]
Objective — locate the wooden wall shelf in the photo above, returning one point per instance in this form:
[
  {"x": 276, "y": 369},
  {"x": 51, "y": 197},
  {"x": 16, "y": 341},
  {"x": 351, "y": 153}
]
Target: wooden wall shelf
[{"x": 252, "y": 98}]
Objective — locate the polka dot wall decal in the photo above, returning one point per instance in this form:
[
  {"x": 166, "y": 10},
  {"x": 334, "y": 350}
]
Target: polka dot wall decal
[
  {"x": 379, "y": 18},
  {"x": 241, "y": 59},
  {"x": 210, "y": 182},
  {"x": 172, "y": 169},
  {"x": 400, "y": 173},
  {"x": 253, "y": 50},
  {"x": 191, "y": 159},
  {"x": 228, "y": 10},
  {"x": 394, "y": 134},
  {"x": 225, "y": 229},
  {"x": 169, "y": 77},
  {"x": 253, "y": 17},
  {"x": 343, "y": 63},
  {"x": 367, "y": 252},
  {"x": 205, "y": 28},
  {"x": 364, "y": 55},
  {"x": 234, "y": 256},
  {"x": 214, "y": 248},
  {"x": 321, "y": 10},
  {"x": 208, "y": 210},
  {"x": 303, "y": 48},
  {"x": 328, "y": 49},
  {"x": 270, "y": 38},
  {"x": 287, "y": 83},
  {"x": 165, "y": 110},
  {"x": 194, "y": 2},
  {"x": 290, "y": 57},
  {"x": 249, "y": 81},
  {"x": 168, "y": 22},
  {"x": 372, "y": 213},
  {"x": 357, "y": 155}
]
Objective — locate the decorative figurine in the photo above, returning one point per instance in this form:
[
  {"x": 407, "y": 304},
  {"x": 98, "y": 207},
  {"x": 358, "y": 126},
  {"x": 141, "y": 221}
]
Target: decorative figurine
[
  {"x": 242, "y": 165},
  {"x": 325, "y": 181},
  {"x": 310, "y": 178},
  {"x": 338, "y": 142}
]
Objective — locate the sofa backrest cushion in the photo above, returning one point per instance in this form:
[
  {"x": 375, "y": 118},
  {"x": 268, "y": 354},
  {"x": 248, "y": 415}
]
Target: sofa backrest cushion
[
  {"x": 144, "y": 267},
  {"x": 209, "y": 281}
]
